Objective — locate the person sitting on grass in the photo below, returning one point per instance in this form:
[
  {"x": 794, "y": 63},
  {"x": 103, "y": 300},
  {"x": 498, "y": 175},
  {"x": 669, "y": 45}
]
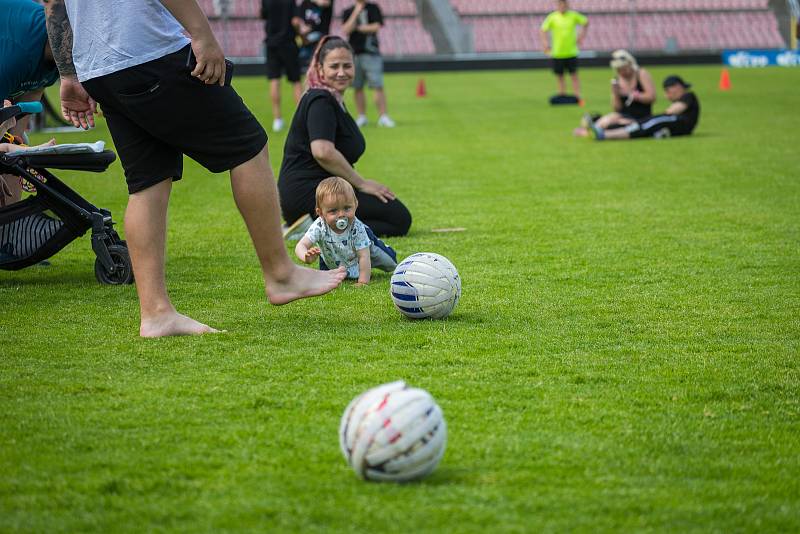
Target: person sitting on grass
[
  {"x": 323, "y": 141},
  {"x": 632, "y": 94},
  {"x": 680, "y": 118},
  {"x": 338, "y": 238}
]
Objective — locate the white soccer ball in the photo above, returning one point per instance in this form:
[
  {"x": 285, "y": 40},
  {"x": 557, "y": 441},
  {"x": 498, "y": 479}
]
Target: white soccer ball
[
  {"x": 425, "y": 285},
  {"x": 393, "y": 432}
]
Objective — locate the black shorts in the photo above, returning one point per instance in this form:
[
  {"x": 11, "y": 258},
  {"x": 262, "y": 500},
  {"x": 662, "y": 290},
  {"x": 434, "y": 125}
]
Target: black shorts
[
  {"x": 157, "y": 112},
  {"x": 658, "y": 126},
  {"x": 283, "y": 58},
  {"x": 570, "y": 64}
]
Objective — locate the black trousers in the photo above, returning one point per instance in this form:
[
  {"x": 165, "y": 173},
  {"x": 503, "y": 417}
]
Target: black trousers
[{"x": 653, "y": 126}]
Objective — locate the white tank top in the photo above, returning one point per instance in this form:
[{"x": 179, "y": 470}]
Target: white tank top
[{"x": 111, "y": 35}]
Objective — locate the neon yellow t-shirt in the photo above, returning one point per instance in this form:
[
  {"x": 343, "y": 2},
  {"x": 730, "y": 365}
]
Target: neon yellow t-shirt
[{"x": 562, "y": 28}]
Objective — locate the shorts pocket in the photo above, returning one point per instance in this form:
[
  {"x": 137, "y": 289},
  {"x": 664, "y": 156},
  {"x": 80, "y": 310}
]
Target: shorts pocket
[{"x": 147, "y": 88}]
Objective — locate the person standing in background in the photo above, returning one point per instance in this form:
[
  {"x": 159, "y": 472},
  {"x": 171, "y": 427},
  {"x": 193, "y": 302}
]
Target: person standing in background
[
  {"x": 317, "y": 15},
  {"x": 566, "y": 40},
  {"x": 282, "y": 22},
  {"x": 362, "y": 22}
]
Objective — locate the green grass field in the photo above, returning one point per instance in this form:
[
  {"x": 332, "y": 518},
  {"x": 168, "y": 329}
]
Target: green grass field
[{"x": 624, "y": 356}]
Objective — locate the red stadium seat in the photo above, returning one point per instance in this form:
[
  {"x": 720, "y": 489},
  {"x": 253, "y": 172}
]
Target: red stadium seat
[{"x": 513, "y": 25}]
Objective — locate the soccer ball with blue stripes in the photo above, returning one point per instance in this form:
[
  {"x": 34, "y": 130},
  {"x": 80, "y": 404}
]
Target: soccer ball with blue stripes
[
  {"x": 393, "y": 432},
  {"x": 425, "y": 285}
]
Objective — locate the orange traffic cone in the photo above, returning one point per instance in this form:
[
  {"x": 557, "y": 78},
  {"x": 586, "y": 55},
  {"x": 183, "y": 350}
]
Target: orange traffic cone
[
  {"x": 724, "y": 80},
  {"x": 421, "y": 91}
]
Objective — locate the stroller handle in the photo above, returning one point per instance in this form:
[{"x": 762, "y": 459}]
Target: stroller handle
[{"x": 20, "y": 110}]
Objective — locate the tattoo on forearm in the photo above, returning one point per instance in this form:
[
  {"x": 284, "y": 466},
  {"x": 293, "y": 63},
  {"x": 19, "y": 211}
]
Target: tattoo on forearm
[{"x": 59, "y": 32}]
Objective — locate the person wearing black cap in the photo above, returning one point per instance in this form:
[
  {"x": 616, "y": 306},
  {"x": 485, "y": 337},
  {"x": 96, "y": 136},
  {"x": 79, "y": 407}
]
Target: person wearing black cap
[{"x": 680, "y": 118}]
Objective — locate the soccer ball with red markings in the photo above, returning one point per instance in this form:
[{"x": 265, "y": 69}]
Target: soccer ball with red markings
[
  {"x": 393, "y": 432},
  {"x": 425, "y": 286}
]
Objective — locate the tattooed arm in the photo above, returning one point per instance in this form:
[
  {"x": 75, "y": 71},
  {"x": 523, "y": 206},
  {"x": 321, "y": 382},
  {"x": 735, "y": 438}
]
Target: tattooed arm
[
  {"x": 59, "y": 32},
  {"x": 76, "y": 104}
]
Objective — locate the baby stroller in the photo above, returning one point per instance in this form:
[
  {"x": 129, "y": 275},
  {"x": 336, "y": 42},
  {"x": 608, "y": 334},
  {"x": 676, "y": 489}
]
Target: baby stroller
[{"x": 54, "y": 215}]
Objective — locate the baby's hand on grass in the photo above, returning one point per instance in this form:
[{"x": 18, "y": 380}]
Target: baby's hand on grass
[
  {"x": 360, "y": 284},
  {"x": 311, "y": 254}
]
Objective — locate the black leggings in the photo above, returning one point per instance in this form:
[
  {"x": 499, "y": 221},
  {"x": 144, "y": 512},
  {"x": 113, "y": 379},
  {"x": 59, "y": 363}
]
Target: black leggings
[
  {"x": 653, "y": 126},
  {"x": 385, "y": 219},
  {"x": 389, "y": 219}
]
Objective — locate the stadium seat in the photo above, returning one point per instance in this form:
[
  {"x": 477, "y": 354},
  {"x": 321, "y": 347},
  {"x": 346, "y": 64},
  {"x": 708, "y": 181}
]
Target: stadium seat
[{"x": 512, "y": 25}]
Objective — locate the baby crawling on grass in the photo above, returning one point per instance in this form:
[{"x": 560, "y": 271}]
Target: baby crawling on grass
[{"x": 338, "y": 238}]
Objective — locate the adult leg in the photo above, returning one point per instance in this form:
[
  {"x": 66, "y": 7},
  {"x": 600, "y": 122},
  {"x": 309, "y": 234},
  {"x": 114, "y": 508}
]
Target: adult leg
[
  {"x": 562, "y": 90},
  {"x": 655, "y": 126},
  {"x": 296, "y": 209},
  {"x": 275, "y": 97},
  {"x": 380, "y": 101},
  {"x": 146, "y": 234},
  {"x": 298, "y": 91},
  {"x": 257, "y": 199},
  {"x": 616, "y": 133},
  {"x": 373, "y": 69},
  {"x": 359, "y": 79},
  {"x": 361, "y": 101},
  {"x": 291, "y": 62},
  {"x": 576, "y": 83},
  {"x": 607, "y": 120},
  {"x": 386, "y": 219}
]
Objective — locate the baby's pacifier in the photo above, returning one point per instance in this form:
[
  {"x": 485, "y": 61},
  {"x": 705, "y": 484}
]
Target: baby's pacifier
[{"x": 342, "y": 222}]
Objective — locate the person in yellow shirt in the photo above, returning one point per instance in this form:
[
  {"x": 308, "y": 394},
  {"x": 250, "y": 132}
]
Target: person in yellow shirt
[{"x": 562, "y": 24}]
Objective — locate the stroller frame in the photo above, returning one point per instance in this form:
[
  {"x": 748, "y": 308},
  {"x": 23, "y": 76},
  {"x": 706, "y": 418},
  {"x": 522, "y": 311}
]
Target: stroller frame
[{"x": 77, "y": 215}]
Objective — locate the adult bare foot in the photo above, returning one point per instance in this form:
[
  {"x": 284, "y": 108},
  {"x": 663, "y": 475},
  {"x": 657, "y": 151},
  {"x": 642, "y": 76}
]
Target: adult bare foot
[
  {"x": 303, "y": 282},
  {"x": 173, "y": 324}
]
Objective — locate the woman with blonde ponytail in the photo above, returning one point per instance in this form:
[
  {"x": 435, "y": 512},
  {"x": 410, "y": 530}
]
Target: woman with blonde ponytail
[{"x": 324, "y": 141}]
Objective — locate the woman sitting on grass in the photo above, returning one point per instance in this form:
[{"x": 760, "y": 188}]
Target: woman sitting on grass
[
  {"x": 324, "y": 141},
  {"x": 632, "y": 95}
]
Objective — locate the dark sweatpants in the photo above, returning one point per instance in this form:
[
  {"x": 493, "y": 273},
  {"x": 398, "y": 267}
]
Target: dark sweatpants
[{"x": 659, "y": 126}]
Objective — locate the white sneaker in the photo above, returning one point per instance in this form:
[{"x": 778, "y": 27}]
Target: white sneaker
[
  {"x": 386, "y": 121},
  {"x": 663, "y": 133},
  {"x": 361, "y": 121},
  {"x": 297, "y": 229},
  {"x": 277, "y": 125}
]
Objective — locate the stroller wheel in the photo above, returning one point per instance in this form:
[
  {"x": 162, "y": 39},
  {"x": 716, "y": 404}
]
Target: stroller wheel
[{"x": 123, "y": 273}]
